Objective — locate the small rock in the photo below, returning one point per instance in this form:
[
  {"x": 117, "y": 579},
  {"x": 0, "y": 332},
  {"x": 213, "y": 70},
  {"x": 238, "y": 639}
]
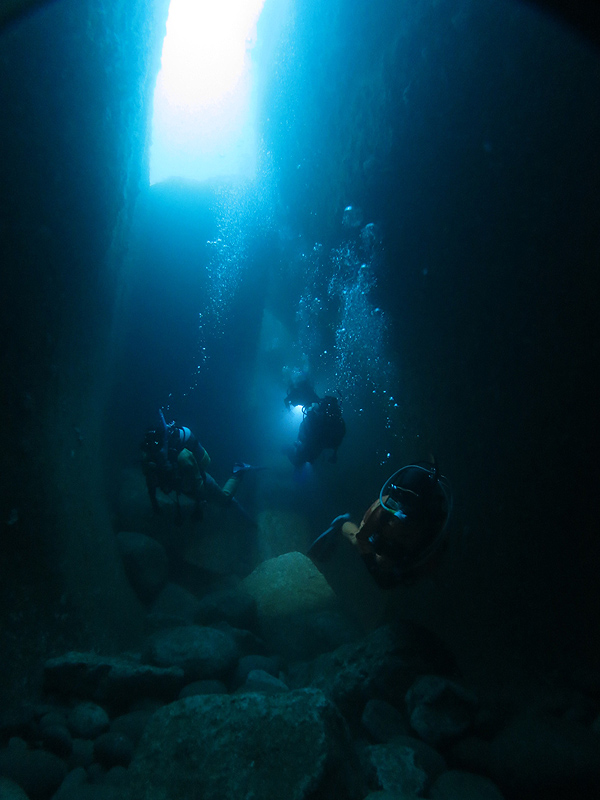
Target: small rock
[
  {"x": 382, "y": 721},
  {"x": 247, "y": 642},
  {"x": 57, "y": 739},
  {"x": 114, "y": 681},
  {"x": 440, "y": 709},
  {"x": 131, "y": 724},
  {"x": 9, "y": 790},
  {"x": 203, "y": 687},
  {"x": 173, "y": 606},
  {"x": 391, "y": 796},
  {"x": 237, "y": 608},
  {"x": 82, "y": 754},
  {"x": 37, "y": 772},
  {"x": 200, "y": 652},
  {"x": 87, "y": 720},
  {"x": 71, "y": 785},
  {"x": 392, "y": 767},
  {"x": 53, "y": 718},
  {"x": 426, "y": 757},
  {"x": 260, "y": 681},
  {"x": 248, "y": 663},
  {"x": 117, "y": 776},
  {"x": 113, "y": 750},
  {"x": 96, "y": 773},
  {"x": 17, "y": 723}
]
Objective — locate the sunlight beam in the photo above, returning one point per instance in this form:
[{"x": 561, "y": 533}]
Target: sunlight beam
[{"x": 204, "y": 124}]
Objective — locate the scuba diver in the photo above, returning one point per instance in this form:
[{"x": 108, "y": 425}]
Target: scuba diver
[
  {"x": 322, "y": 428},
  {"x": 174, "y": 461},
  {"x": 401, "y": 531},
  {"x": 301, "y": 392}
]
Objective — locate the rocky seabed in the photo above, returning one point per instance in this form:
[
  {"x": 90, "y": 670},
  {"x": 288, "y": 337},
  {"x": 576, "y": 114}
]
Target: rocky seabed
[{"x": 210, "y": 709}]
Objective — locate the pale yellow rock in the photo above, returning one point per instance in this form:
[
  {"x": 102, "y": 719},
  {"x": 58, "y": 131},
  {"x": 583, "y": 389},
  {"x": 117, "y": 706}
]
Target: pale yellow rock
[{"x": 289, "y": 584}]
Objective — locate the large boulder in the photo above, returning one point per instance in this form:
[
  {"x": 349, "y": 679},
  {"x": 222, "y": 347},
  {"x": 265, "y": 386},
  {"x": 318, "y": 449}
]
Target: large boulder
[
  {"x": 298, "y": 613},
  {"x": 294, "y": 746},
  {"x": 288, "y": 585},
  {"x": 383, "y": 665},
  {"x": 37, "y": 772}
]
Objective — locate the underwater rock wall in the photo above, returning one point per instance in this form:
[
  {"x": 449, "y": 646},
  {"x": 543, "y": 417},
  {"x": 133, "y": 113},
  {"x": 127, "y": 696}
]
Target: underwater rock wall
[
  {"x": 75, "y": 91},
  {"x": 467, "y": 131}
]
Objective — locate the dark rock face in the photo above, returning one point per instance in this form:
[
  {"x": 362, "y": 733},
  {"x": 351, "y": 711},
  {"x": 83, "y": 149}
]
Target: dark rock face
[
  {"x": 457, "y": 785},
  {"x": 237, "y": 608},
  {"x": 542, "y": 756},
  {"x": 422, "y": 124},
  {"x": 227, "y": 746},
  {"x": 110, "y": 680},
  {"x": 76, "y": 81},
  {"x": 383, "y": 664}
]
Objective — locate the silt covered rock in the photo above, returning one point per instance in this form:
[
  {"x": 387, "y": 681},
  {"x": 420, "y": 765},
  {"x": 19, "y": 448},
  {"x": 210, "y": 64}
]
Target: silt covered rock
[{"x": 294, "y": 746}]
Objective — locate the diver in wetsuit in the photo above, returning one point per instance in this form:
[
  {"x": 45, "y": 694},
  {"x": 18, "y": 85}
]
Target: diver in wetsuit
[
  {"x": 174, "y": 461},
  {"x": 402, "y": 531},
  {"x": 323, "y": 428},
  {"x": 301, "y": 392}
]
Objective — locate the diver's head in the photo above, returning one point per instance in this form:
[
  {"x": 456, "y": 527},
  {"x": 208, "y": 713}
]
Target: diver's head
[
  {"x": 152, "y": 442},
  {"x": 402, "y": 502},
  {"x": 421, "y": 499}
]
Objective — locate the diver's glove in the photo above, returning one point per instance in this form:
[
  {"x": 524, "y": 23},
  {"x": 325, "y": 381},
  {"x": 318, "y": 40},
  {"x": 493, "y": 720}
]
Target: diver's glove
[
  {"x": 323, "y": 546},
  {"x": 240, "y": 468}
]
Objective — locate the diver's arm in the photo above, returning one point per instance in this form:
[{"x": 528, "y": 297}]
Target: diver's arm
[
  {"x": 153, "y": 498},
  {"x": 165, "y": 434}
]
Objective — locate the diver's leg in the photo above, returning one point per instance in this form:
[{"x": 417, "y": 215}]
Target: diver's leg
[
  {"x": 190, "y": 481},
  {"x": 295, "y": 453},
  {"x": 323, "y": 545},
  {"x": 240, "y": 468},
  {"x": 214, "y": 493},
  {"x": 226, "y": 496}
]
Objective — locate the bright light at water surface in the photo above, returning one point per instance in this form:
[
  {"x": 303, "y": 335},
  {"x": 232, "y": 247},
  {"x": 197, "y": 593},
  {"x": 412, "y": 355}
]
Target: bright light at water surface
[{"x": 203, "y": 124}]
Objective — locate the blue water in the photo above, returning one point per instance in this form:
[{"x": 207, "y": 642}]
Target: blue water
[{"x": 423, "y": 240}]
